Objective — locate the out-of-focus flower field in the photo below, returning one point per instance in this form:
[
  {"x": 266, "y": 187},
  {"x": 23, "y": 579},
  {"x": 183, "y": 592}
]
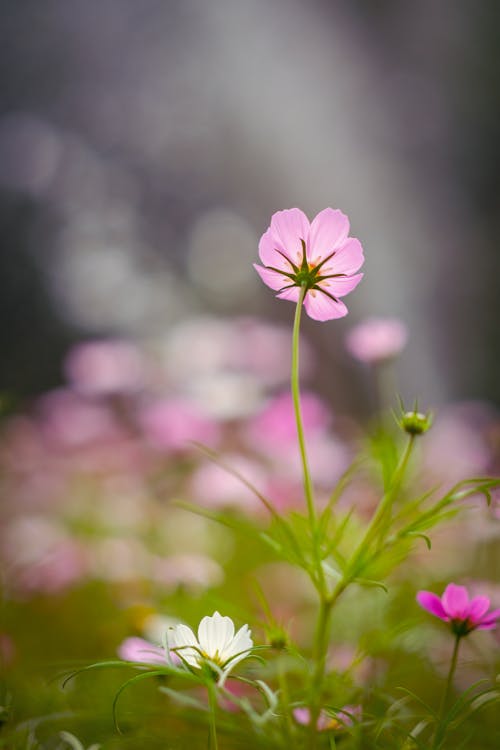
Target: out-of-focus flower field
[{"x": 129, "y": 507}]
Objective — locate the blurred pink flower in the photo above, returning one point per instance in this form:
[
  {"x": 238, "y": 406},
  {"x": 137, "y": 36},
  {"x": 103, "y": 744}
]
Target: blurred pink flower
[
  {"x": 214, "y": 487},
  {"x": 273, "y": 434},
  {"x": 328, "y": 722},
  {"x": 193, "y": 571},
  {"x": 138, "y": 650},
  {"x": 463, "y": 614},
  {"x": 171, "y": 424},
  {"x": 275, "y": 424},
  {"x": 377, "y": 339},
  {"x": 70, "y": 421},
  {"x": 101, "y": 368},
  {"x": 457, "y": 446},
  {"x": 62, "y": 567},
  {"x": 319, "y": 255}
]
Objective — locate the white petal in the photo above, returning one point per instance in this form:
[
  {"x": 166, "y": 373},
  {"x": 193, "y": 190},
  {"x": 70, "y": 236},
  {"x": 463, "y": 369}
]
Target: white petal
[
  {"x": 240, "y": 644},
  {"x": 181, "y": 637},
  {"x": 214, "y": 633}
]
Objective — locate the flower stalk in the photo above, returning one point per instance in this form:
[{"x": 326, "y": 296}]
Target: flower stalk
[
  {"x": 212, "y": 702},
  {"x": 447, "y": 689},
  {"x": 308, "y": 489}
]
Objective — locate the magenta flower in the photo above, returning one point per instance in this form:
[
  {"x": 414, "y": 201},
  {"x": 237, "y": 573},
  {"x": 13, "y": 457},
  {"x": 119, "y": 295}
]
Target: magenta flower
[
  {"x": 318, "y": 255},
  {"x": 462, "y": 613},
  {"x": 377, "y": 339},
  {"x": 138, "y": 650},
  {"x": 344, "y": 718}
]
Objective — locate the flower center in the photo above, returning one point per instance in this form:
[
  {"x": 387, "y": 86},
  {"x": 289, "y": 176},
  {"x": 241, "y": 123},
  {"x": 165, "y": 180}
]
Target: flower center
[{"x": 461, "y": 627}]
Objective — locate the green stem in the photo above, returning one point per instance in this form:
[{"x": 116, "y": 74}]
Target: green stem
[
  {"x": 320, "y": 652},
  {"x": 319, "y": 576},
  {"x": 380, "y": 514},
  {"x": 285, "y": 700},
  {"x": 318, "y": 676},
  {"x": 308, "y": 489},
  {"x": 449, "y": 683},
  {"x": 212, "y": 701}
]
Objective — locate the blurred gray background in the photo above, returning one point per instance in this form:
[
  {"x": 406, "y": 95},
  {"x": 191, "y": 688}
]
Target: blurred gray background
[{"x": 144, "y": 145}]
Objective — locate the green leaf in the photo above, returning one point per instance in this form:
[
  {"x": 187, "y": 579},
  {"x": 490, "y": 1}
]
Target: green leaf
[
  {"x": 339, "y": 488},
  {"x": 182, "y": 699},
  {"x": 103, "y": 665},
  {"x": 371, "y": 584},
  {"x": 73, "y": 741},
  {"x": 133, "y": 680}
]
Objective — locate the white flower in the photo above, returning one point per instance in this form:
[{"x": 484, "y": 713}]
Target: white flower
[{"x": 216, "y": 643}]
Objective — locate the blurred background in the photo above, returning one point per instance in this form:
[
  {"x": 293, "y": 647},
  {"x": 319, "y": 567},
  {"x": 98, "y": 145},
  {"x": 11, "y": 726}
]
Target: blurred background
[{"x": 144, "y": 147}]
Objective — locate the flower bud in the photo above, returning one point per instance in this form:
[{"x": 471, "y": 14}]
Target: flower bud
[
  {"x": 415, "y": 423},
  {"x": 277, "y": 638}
]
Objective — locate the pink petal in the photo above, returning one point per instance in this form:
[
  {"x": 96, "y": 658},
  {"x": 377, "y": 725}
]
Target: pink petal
[
  {"x": 489, "y": 621},
  {"x": 273, "y": 279},
  {"x": 342, "y": 286},
  {"x": 432, "y": 603},
  {"x": 455, "y": 600},
  {"x": 270, "y": 256},
  {"x": 477, "y": 608},
  {"x": 292, "y": 295},
  {"x": 302, "y": 715},
  {"x": 329, "y": 230},
  {"x": 288, "y": 228},
  {"x": 320, "y": 307},
  {"x": 139, "y": 650},
  {"x": 347, "y": 258}
]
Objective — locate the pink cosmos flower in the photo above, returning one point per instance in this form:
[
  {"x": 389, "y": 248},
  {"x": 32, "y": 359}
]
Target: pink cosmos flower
[
  {"x": 170, "y": 424},
  {"x": 462, "y": 613},
  {"x": 275, "y": 424},
  {"x": 138, "y": 650},
  {"x": 102, "y": 368},
  {"x": 377, "y": 339},
  {"x": 318, "y": 255},
  {"x": 327, "y": 722}
]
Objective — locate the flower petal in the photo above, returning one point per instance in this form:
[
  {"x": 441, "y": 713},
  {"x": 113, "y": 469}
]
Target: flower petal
[
  {"x": 302, "y": 715},
  {"x": 292, "y": 294},
  {"x": 477, "y": 608},
  {"x": 329, "y": 230},
  {"x": 341, "y": 286},
  {"x": 214, "y": 633},
  {"x": 347, "y": 259},
  {"x": 271, "y": 255},
  {"x": 432, "y": 603},
  {"x": 288, "y": 228},
  {"x": 490, "y": 620},
  {"x": 455, "y": 600},
  {"x": 238, "y": 648},
  {"x": 273, "y": 279},
  {"x": 139, "y": 650},
  {"x": 182, "y": 637},
  {"x": 321, "y": 307}
]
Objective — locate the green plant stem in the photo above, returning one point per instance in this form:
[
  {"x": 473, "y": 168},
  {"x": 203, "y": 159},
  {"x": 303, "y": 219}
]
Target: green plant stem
[
  {"x": 285, "y": 700},
  {"x": 380, "y": 514},
  {"x": 449, "y": 683},
  {"x": 320, "y": 652},
  {"x": 319, "y": 576},
  {"x": 308, "y": 489},
  {"x": 212, "y": 702}
]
